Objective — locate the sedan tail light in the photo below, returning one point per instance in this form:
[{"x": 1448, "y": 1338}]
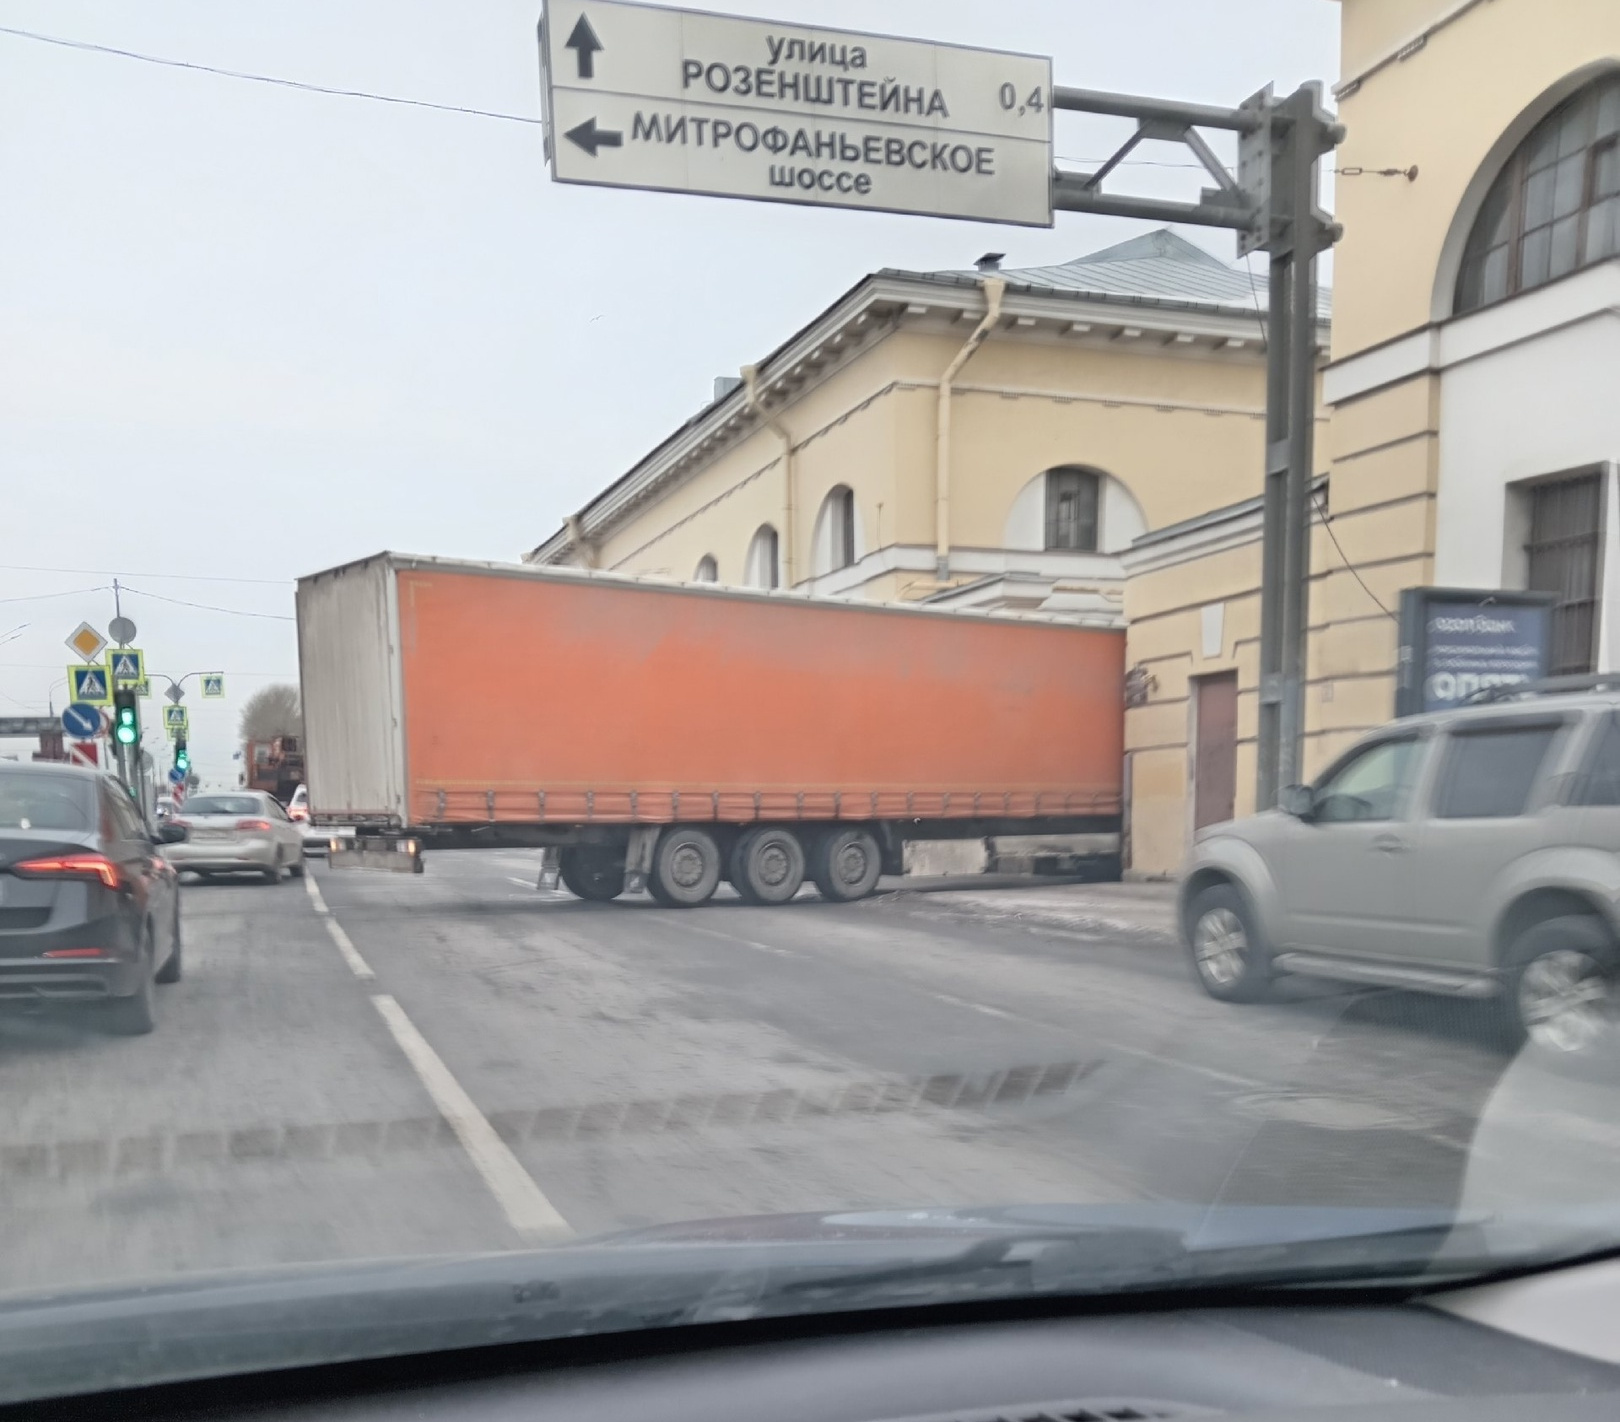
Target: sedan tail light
[
  {"x": 253, "y": 824},
  {"x": 72, "y": 866}
]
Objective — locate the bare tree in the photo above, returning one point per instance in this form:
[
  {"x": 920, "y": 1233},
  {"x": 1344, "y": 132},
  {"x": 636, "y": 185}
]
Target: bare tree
[{"x": 272, "y": 711}]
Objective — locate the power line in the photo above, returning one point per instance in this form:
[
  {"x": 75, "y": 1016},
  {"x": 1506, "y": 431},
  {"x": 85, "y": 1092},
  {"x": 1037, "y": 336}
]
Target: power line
[
  {"x": 210, "y": 607},
  {"x": 40, "y": 597},
  {"x": 263, "y": 78},
  {"x": 119, "y": 573}
]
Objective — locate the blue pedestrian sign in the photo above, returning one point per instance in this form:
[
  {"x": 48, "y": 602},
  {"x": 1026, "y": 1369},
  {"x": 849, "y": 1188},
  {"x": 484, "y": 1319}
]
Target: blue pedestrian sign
[
  {"x": 90, "y": 685},
  {"x": 176, "y": 776},
  {"x": 82, "y": 722}
]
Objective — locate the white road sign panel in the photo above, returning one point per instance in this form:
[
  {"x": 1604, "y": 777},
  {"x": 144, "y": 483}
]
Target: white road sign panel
[{"x": 644, "y": 96}]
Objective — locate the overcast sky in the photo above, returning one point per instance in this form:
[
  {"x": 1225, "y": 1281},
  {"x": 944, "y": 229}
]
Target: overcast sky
[{"x": 247, "y": 332}]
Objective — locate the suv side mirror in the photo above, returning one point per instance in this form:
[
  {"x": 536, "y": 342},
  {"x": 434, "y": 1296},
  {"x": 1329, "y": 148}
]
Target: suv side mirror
[
  {"x": 171, "y": 833},
  {"x": 1298, "y": 801}
]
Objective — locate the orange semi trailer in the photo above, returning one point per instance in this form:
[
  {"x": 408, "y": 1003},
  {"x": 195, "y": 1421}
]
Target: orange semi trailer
[{"x": 672, "y": 736}]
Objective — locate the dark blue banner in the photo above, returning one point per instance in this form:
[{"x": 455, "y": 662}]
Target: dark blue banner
[{"x": 1457, "y": 642}]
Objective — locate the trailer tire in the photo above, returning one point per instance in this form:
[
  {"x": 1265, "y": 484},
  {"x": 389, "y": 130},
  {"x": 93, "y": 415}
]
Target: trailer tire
[
  {"x": 845, "y": 864},
  {"x": 686, "y": 867},
  {"x": 596, "y": 875},
  {"x": 767, "y": 865}
]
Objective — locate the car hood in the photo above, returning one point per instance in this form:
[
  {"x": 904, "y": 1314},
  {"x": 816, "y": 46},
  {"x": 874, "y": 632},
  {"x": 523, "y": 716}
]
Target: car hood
[
  {"x": 718, "y": 1271},
  {"x": 1251, "y": 829}
]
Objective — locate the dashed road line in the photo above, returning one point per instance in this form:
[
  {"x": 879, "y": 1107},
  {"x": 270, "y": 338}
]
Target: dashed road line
[
  {"x": 351, "y": 955},
  {"x": 531, "y": 1214},
  {"x": 686, "y": 923}
]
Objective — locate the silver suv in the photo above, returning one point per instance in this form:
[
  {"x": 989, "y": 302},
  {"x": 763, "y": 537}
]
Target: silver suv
[{"x": 1473, "y": 852}]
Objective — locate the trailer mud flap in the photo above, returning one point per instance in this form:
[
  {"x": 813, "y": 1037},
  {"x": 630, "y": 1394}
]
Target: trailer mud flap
[{"x": 395, "y": 856}]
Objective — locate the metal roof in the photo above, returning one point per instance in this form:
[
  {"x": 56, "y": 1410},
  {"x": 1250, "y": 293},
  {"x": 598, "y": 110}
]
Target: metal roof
[{"x": 1158, "y": 267}]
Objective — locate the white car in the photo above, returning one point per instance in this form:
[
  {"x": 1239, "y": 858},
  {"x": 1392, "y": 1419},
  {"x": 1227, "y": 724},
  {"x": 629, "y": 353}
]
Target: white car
[
  {"x": 315, "y": 839},
  {"x": 238, "y": 831}
]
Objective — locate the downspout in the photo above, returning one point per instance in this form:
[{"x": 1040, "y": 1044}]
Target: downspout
[
  {"x": 582, "y": 545},
  {"x": 785, "y": 545},
  {"x": 993, "y": 286}
]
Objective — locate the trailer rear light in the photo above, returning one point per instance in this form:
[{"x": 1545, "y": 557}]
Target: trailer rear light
[
  {"x": 253, "y": 824},
  {"x": 74, "y": 953},
  {"x": 72, "y": 866}
]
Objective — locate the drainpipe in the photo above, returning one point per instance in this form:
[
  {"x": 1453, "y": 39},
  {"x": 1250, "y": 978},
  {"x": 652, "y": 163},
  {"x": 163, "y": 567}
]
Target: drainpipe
[
  {"x": 582, "y": 545},
  {"x": 993, "y": 286},
  {"x": 785, "y": 545}
]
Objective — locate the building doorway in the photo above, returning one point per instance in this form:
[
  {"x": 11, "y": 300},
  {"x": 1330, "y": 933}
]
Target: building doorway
[{"x": 1214, "y": 749}]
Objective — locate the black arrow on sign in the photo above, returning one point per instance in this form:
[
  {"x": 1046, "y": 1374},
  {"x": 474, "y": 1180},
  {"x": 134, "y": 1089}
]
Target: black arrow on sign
[
  {"x": 586, "y": 46},
  {"x": 589, "y": 137}
]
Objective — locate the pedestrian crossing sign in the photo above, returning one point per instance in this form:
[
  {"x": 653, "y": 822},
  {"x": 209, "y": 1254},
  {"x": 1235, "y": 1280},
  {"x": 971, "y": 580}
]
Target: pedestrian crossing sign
[
  {"x": 143, "y": 687},
  {"x": 126, "y": 664},
  {"x": 213, "y": 684},
  {"x": 176, "y": 718},
  {"x": 90, "y": 685}
]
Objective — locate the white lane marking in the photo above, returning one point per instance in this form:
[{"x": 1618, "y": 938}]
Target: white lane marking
[
  {"x": 351, "y": 955},
  {"x": 525, "y": 883},
  {"x": 733, "y": 938},
  {"x": 979, "y": 1007},
  {"x": 531, "y": 1214}
]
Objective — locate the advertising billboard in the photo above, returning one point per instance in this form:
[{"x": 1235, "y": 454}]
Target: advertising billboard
[{"x": 1456, "y": 642}]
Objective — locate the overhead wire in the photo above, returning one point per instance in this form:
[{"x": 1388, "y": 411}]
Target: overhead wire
[
  {"x": 209, "y": 607},
  {"x": 120, "y": 573}
]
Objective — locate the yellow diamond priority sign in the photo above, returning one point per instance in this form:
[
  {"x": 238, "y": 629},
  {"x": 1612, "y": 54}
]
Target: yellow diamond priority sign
[{"x": 86, "y": 641}]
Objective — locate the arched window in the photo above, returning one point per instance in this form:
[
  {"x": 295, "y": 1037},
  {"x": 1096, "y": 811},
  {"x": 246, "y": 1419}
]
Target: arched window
[
  {"x": 1072, "y": 506},
  {"x": 836, "y": 544},
  {"x": 762, "y": 569},
  {"x": 1555, "y": 207},
  {"x": 708, "y": 570}
]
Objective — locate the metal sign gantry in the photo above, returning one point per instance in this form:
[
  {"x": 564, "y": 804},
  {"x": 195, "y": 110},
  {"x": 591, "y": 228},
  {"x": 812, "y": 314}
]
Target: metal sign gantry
[
  {"x": 1271, "y": 202},
  {"x": 700, "y": 102}
]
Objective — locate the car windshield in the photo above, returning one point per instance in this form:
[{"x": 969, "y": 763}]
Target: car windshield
[
  {"x": 1002, "y": 680},
  {"x": 224, "y": 805},
  {"x": 36, "y": 801}
]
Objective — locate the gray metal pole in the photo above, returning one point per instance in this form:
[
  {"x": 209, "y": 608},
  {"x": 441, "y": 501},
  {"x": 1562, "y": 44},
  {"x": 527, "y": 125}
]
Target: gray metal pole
[
  {"x": 1300, "y": 158},
  {"x": 1273, "y": 581}
]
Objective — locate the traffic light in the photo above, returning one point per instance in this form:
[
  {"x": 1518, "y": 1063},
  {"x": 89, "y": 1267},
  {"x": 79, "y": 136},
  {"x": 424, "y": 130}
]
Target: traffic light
[
  {"x": 126, "y": 724},
  {"x": 182, "y": 757}
]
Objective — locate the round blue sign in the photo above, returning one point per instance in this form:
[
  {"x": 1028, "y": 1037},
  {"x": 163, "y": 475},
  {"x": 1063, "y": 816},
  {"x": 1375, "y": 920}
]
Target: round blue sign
[
  {"x": 82, "y": 722},
  {"x": 176, "y": 775}
]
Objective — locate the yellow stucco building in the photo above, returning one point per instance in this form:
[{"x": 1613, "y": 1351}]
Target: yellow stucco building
[{"x": 1087, "y": 439}]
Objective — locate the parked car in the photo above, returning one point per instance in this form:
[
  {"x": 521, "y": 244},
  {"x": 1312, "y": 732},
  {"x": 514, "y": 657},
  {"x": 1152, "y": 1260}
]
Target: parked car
[
  {"x": 239, "y": 831},
  {"x": 89, "y": 908},
  {"x": 1473, "y": 852}
]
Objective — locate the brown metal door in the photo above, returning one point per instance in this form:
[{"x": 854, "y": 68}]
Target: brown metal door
[{"x": 1215, "y": 752}]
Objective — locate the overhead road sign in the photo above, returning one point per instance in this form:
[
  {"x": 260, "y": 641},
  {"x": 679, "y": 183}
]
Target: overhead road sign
[
  {"x": 90, "y": 685},
  {"x": 644, "y": 96},
  {"x": 82, "y": 722},
  {"x": 176, "y": 718},
  {"x": 86, "y": 641},
  {"x": 126, "y": 664},
  {"x": 213, "y": 685},
  {"x": 176, "y": 776},
  {"x": 174, "y": 693},
  {"x": 143, "y": 687},
  {"x": 122, "y": 630}
]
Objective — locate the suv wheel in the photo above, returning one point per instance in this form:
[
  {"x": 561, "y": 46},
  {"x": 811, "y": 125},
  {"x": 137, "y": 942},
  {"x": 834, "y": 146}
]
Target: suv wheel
[
  {"x": 1228, "y": 959},
  {"x": 1560, "y": 984}
]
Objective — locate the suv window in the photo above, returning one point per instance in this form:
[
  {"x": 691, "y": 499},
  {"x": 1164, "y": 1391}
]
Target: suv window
[
  {"x": 1374, "y": 784},
  {"x": 1599, "y": 781},
  {"x": 1489, "y": 773}
]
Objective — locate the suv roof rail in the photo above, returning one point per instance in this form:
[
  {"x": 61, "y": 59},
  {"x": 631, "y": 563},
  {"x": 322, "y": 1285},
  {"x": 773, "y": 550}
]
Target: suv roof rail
[{"x": 1547, "y": 686}]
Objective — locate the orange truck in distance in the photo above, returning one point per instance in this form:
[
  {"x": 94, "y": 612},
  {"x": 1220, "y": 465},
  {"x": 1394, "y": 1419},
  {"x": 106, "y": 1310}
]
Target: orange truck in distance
[{"x": 674, "y": 736}]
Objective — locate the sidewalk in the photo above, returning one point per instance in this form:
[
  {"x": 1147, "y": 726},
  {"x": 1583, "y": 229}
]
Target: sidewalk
[{"x": 1139, "y": 911}]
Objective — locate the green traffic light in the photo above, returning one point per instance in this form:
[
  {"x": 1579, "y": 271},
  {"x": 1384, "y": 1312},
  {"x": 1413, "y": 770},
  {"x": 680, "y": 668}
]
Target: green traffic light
[
  {"x": 182, "y": 758},
  {"x": 125, "y": 728}
]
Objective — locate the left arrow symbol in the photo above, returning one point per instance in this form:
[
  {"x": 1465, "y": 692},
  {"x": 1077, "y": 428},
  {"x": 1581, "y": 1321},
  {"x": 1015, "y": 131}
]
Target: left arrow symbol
[
  {"x": 583, "y": 41},
  {"x": 589, "y": 137}
]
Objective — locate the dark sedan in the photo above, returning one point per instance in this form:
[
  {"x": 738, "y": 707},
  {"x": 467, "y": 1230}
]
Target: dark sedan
[{"x": 89, "y": 908}]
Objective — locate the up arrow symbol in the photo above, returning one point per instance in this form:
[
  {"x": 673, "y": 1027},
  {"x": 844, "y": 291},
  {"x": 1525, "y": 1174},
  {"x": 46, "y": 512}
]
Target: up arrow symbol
[{"x": 583, "y": 41}]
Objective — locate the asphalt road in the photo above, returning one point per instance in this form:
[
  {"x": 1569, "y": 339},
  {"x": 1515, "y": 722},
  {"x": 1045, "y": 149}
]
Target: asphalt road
[{"x": 374, "y": 1064}]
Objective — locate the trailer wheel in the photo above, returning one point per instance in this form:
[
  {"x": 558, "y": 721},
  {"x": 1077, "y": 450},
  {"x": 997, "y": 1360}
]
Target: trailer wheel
[
  {"x": 594, "y": 874},
  {"x": 767, "y": 865},
  {"x": 845, "y": 864},
  {"x": 686, "y": 867}
]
